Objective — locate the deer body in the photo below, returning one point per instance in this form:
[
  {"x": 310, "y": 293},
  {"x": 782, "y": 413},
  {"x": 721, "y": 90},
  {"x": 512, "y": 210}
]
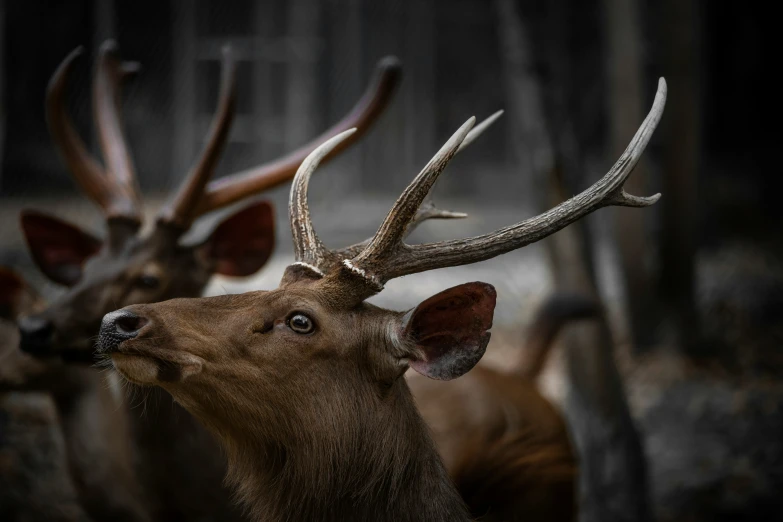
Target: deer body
[
  {"x": 99, "y": 446},
  {"x": 127, "y": 461},
  {"x": 505, "y": 446},
  {"x": 304, "y": 384},
  {"x": 66, "y": 432},
  {"x": 179, "y": 463},
  {"x": 35, "y": 479},
  {"x": 363, "y": 471}
]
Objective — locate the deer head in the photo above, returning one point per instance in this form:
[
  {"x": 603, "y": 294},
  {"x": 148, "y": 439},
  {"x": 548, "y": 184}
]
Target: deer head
[
  {"x": 16, "y": 298},
  {"x": 308, "y": 376},
  {"x": 128, "y": 267}
]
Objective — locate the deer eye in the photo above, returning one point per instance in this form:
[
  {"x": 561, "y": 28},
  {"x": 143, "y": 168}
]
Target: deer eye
[
  {"x": 148, "y": 282},
  {"x": 301, "y": 324}
]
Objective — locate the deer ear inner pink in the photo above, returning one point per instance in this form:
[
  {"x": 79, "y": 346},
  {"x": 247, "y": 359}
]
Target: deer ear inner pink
[
  {"x": 450, "y": 330},
  {"x": 243, "y": 243},
  {"x": 58, "y": 247}
]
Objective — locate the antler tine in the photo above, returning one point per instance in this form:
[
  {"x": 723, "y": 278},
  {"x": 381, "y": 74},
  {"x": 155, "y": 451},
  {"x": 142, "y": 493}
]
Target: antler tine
[
  {"x": 479, "y": 129},
  {"x": 428, "y": 210},
  {"x": 181, "y": 211},
  {"x": 120, "y": 172},
  {"x": 608, "y": 191},
  {"x": 389, "y": 236},
  {"x": 84, "y": 168},
  {"x": 367, "y": 110},
  {"x": 308, "y": 248}
]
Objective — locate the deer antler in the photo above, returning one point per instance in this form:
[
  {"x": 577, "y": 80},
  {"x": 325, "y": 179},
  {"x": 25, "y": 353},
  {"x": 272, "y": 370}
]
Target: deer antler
[
  {"x": 387, "y": 256},
  {"x": 370, "y": 106},
  {"x": 106, "y": 104},
  {"x": 181, "y": 211},
  {"x": 428, "y": 210},
  {"x": 308, "y": 249},
  {"x": 118, "y": 200}
]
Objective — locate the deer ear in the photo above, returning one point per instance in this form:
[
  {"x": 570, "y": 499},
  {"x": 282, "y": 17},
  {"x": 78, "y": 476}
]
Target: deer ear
[
  {"x": 242, "y": 243},
  {"x": 450, "y": 330},
  {"x": 58, "y": 248}
]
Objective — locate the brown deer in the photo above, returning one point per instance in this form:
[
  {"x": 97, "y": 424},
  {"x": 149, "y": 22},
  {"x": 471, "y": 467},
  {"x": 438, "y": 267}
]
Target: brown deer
[
  {"x": 35, "y": 481},
  {"x": 132, "y": 268},
  {"x": 302, "y": 384},
  {"x": 505, "y": 446}
]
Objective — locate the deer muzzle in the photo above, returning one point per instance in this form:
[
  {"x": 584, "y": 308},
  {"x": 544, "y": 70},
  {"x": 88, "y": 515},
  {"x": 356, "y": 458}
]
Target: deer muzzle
[
  {"x": 118, "y": 327},
  {"x": 35, "y": 335}
]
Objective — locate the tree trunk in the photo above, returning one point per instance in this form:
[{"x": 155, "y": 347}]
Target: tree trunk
[
  {"x": 681, "y": 157},
  {"x": 613, "y": 469},
  {"x": 183, "y": 50},
  {"x": 529, "y": 137},
  {"x": 302, "y": 80},
  {"x": 613, "y": 476},
  {"x": 625, "y": 94},
  {"x": 2, "y": 89}
]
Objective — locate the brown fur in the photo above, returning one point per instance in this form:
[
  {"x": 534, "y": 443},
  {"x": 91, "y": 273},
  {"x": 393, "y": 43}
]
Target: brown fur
[
  {"x": 503, "y": 443},
  {"x": 133, "y": 463},
  {"x": 316, "y": 426},
  {"x": 66, "y": 434},
  {"x": 35, "y": 479},
  {"x": 142, "y": 455},
  {"x": 499, "y": 437}
]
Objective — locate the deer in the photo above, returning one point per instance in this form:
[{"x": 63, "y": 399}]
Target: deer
[
  {"x": 506, "y": 447},
  {"x": 130, "y": 267},
  {"x": 303, "y": 385},
  {"x": 35, "y": 481}
]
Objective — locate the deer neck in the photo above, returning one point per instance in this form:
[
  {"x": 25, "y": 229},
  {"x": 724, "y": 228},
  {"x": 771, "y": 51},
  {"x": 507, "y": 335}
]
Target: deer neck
[{"x": 382, "y": 466}]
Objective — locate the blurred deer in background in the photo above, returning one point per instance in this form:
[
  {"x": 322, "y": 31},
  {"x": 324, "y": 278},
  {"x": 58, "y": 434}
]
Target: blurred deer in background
[
  {"x": 130, "y": 268},
  {"x": 302, "y": 384},
  {"x": 35, "y": 481},
  {"x": 506, "y": 446}
]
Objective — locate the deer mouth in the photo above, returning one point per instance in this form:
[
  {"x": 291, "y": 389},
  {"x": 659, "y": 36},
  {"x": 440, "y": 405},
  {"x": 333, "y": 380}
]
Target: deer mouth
[
  {"x": 151, "y": 365},
  {"x": 144, "y": 370},
  {"x": 122, "y": 338}
]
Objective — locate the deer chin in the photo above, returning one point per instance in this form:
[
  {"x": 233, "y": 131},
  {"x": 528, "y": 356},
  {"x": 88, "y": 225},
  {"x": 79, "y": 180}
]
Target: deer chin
[{"x": 148, "y": 369}]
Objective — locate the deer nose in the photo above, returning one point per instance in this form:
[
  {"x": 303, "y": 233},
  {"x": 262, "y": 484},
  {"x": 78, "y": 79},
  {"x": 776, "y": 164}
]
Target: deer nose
[
  {"x": 117, "y": 327},
  {"x": 35, "y": 335}
]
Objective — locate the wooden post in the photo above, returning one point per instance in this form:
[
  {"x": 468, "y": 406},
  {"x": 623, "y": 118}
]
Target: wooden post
[
  {"x": 613, "y": 476},
  {"x": 530, "y": 136},
  {"x": 263, "y": 80},
  {"x": 2, "y": 89},
  {"x": 624, "y": 73},
  {"x": 184, "y": 60},
  {"x": 385, "y": 171},
  {"x": 681, "y": 130},
  {"x": 302, "y": 80},
  {"x": 347, "y": 76},
  {"x": 105, "y": 25},
  {"x": 420, "y": 101}
]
